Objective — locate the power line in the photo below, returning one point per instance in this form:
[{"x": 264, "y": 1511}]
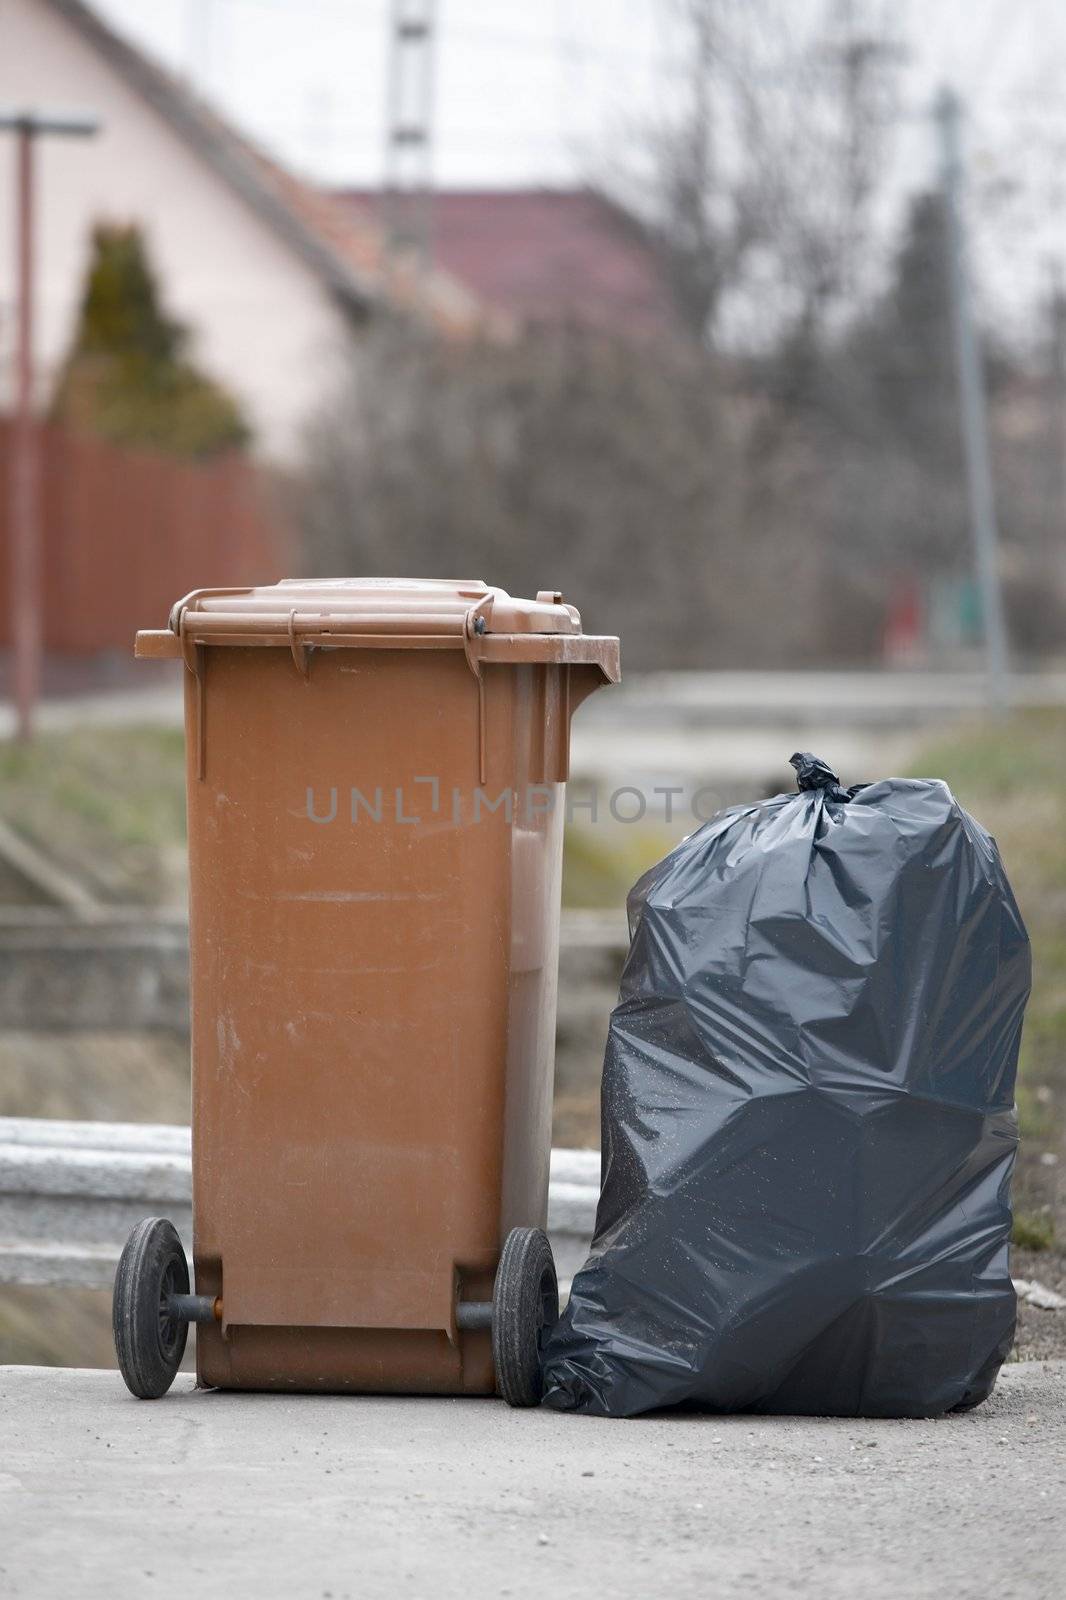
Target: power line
[{"x": 523, "y": 41}]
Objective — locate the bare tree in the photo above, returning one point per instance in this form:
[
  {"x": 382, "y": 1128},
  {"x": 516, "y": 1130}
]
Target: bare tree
[
  {"x": 566, "y": 460},
  {"x": 762, "y": 183},
  {"x": 749, "y": 495}
]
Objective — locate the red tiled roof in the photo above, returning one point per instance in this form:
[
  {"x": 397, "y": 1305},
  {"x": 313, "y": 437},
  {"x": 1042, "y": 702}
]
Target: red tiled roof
[{"x": 549, "y": 256}]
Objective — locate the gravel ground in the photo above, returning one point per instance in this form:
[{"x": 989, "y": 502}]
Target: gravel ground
[{"x": 1041, "y": 1334}]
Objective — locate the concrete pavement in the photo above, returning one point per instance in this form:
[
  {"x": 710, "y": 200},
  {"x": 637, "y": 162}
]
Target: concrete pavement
[{"x": 249, "y": 1495}]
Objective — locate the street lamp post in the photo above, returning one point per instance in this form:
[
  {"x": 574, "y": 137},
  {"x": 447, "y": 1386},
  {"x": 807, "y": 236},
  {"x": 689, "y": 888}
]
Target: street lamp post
[
  {"x": 973, "y": 405},
  {"x": 24, "y": 463}
]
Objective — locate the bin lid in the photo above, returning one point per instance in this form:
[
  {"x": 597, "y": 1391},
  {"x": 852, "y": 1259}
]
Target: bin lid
[
  {"x": 406, "y": 604},
  {"x": 387, "y": 613}
]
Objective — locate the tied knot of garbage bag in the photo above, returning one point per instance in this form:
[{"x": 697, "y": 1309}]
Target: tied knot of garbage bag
[
  {"x": 812, "y": 772},
  {"x": 813, "y": 775}
]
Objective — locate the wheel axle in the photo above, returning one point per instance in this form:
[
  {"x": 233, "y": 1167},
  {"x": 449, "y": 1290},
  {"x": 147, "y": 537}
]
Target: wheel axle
[
  {"x": 195, "y": 1307},
  {"x": 471, "y": 1315}
]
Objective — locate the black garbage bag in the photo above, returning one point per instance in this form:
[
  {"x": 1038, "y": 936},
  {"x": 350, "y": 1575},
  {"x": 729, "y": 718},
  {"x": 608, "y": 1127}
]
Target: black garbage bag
[{"x": 808, "y": 1117}]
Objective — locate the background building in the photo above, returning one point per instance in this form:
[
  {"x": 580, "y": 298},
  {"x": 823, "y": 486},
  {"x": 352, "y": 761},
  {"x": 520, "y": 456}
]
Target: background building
[
  {"x": 548, "y": 257},
  {"x": 268, "y": 272}
]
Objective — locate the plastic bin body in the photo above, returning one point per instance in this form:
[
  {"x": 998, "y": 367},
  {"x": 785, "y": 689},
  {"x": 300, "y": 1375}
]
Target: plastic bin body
[{"x": 375, "y": 844}]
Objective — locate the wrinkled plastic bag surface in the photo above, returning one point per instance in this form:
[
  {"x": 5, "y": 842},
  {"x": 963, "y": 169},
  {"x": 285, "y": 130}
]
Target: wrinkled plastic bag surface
[{"x": 808, "y": 1117}]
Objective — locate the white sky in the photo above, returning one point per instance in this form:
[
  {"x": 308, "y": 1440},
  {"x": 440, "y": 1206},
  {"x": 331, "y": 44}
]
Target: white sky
[{"x": 544, "y": 91}]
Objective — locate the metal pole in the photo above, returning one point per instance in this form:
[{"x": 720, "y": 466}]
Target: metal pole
[
  {"x": 972, "y": 405},
  {"x": 409, "y": 118},
  {"x": 24, "y": 462},
  {"x": 24, "y": 466}
]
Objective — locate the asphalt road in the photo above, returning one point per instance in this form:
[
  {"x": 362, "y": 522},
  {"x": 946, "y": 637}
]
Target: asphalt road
[{"x": 207, "y": 1494}]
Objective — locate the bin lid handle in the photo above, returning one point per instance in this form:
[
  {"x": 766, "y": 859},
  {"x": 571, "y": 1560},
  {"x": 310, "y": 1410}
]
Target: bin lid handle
[
  {"x": 301, "y": 653},
  {"x": 475, "y": 623}
]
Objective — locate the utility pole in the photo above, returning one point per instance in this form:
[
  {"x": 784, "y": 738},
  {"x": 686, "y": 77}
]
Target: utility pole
[
  {"x": 23, "y": 457},
  {"x": 972, "y": 404},
  {"x": 408, "y": 189},
  {"x": 1057, "y": 381}
]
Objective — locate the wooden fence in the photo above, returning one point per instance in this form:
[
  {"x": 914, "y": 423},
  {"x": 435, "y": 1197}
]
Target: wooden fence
[{"x": 126, "y": 533}]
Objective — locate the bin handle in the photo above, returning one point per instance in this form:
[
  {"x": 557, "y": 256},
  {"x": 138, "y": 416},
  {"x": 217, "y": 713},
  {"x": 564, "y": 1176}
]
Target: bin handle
[
  {"x": 301, "y": 653},
  {"x": 475, "y": 623},
  {"x": 196, "y": 662}
]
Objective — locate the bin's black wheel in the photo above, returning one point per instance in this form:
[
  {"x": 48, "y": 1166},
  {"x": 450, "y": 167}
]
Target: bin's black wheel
[
  {"x": 525, "y": 1306},
  {"x": 149, "y": 1342}
]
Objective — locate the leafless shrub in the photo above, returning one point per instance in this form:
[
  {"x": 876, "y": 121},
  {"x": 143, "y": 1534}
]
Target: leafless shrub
[{"x": 618, "y": 474}]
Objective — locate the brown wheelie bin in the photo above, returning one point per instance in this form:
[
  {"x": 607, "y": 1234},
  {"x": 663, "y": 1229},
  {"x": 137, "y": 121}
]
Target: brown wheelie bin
[{"x": 375, "y": 773}]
